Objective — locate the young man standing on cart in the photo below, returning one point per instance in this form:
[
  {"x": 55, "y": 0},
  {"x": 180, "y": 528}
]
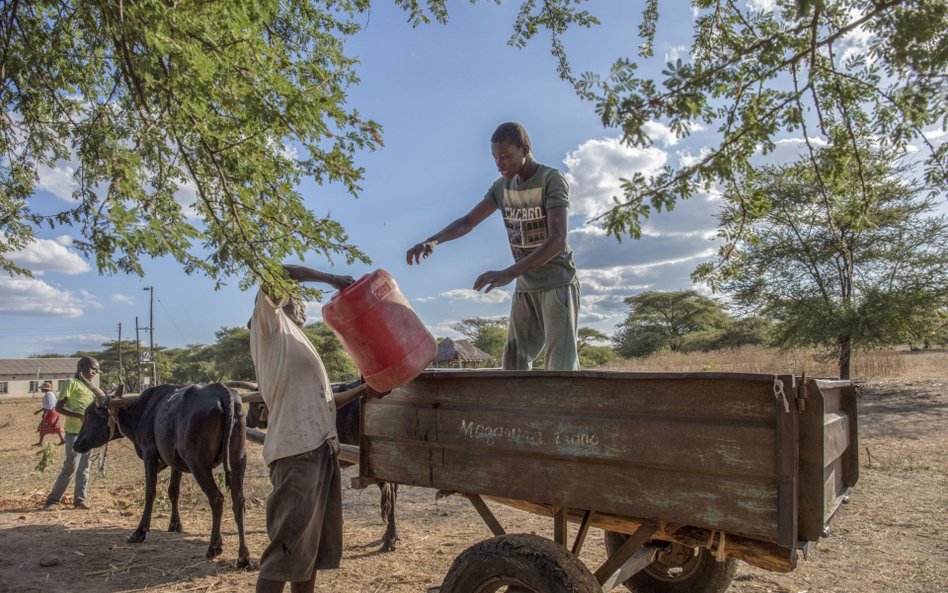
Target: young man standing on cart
[
  {"x": 533, "y": 200},
  {"x": 304, "y": 510}
]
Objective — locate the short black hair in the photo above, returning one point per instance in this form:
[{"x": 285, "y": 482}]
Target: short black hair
[{"x": 513, "y": 132}]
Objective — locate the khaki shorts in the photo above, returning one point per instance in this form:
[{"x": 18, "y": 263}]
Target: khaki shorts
[{"x": 304, "y": 516}]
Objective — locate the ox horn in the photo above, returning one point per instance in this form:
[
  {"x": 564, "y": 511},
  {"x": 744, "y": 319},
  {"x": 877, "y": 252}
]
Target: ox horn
[{"x": 120, "y": 391}]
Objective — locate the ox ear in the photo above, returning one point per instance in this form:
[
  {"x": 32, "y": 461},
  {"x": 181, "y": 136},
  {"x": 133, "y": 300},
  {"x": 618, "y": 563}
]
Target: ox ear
[{"x": 101, "y": 401}]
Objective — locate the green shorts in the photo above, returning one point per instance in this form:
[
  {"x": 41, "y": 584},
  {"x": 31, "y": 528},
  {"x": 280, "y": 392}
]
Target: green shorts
[
  {"x": 543, "y": 322},
  {"x": 304, "y": 516}
]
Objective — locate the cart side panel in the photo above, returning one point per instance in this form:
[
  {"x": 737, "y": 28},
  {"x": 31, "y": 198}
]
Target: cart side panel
[
  {"x": 667, "y": 447},
  {"x": 829, "y": 458}
]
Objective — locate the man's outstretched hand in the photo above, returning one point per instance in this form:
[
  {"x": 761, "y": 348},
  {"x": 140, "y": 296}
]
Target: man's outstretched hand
[{"x": 420, "y": 251}]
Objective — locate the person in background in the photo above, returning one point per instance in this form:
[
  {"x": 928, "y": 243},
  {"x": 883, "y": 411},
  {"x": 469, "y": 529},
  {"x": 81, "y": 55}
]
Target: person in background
[
  {"x": 75, "y": 395},
  {"x": 533, "y": 200},
  {"x": 49, "y": 424}
]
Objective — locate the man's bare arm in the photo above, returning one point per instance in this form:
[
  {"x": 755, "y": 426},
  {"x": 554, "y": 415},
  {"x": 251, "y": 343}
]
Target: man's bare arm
[
  {"x": 61, "y": 408},
  {"x": 556, "y": 224},
  {"x": 455, "y": 230},
  {"x": 305, "y": 274},
  {"x": 348, "y": 396}
]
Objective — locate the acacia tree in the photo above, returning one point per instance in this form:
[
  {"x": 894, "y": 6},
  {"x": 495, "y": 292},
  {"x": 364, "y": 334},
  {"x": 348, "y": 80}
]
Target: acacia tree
[
  {"x": 192, "y": 364},
  {"x": 585, "y": 336},
  {"x": 486, "y": 334},
  {"x": 816, "y": 70},
  {"x": 665, "y": 320},
  {"x": 857, "y": 262},
  {"x": 110, "y": 372},
  {"x": 338, "y": 363},
  {"x": 238, "y": 100},
  {"x": 591, "y": 354},
  {"x": 244, "y": 100},
  {"x": 146, "y": 101}
]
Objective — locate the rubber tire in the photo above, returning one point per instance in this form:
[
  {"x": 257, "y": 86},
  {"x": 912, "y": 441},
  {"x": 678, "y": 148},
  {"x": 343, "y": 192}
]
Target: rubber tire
[
  {"x": 710, "y": 576},
  {"x": 521, "y": 561}
]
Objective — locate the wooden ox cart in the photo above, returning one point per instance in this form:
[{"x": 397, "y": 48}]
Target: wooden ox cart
[{"x": 686, "y": 472}]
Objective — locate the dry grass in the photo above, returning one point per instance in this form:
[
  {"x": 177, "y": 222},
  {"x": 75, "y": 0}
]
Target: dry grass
[
  {"x": 890, "y": 538},
  {"x": 872, "y": 365}
]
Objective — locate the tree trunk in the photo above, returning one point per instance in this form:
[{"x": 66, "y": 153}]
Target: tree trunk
[{"x": 845, "y": 356}]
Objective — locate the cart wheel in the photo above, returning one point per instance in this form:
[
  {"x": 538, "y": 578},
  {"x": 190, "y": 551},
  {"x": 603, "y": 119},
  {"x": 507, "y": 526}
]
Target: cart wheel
[
  {"x": 677, "y": 570},
  {"x": 518, "y": 563}
]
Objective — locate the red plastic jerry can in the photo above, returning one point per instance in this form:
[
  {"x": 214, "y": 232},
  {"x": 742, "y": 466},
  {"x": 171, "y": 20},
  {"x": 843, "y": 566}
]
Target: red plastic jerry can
[{"x": 380, "y": 331}]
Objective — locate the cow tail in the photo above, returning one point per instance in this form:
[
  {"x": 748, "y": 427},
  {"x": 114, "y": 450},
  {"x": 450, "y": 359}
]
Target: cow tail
[
  {"x": 229, "y": 415},
  {"x": 388, "y": 499}
]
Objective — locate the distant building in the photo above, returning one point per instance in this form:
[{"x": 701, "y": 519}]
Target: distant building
[
  {"x": 21, "y": 377},
  {"x": 462, "y": 354}
]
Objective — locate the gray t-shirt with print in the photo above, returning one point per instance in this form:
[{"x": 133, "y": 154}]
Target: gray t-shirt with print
[{"x": 524, "y": 207}]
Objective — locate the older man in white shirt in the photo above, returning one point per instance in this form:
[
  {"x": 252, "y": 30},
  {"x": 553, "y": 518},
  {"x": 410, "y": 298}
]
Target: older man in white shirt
[{"x": 304, "y": 510}]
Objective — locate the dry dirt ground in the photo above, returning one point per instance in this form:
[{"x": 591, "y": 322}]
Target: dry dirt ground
[{"x": 892, "y": 537}]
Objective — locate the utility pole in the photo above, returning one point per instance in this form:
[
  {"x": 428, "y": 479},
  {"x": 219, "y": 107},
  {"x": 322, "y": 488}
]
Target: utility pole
[
  {"x": 120, "y": 373},
  {"x": 151, "y": 335},
  {"x": 138, "y": 354}
]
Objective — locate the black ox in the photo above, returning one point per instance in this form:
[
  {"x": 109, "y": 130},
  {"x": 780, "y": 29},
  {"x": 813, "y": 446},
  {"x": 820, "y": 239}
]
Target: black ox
[
  {"x": 190, "y": 429},
  {"x": 347, "y": 426}
]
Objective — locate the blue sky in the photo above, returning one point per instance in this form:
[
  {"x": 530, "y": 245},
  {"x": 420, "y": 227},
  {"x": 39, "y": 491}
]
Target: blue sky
[{"x": 439, "y": 92}]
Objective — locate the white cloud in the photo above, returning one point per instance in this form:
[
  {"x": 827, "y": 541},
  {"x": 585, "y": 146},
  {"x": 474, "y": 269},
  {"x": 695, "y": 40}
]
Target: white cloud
[
  {"x": 676, "y": 51},
  {"x": 604, "y": 289},
  {"x": 936, "y": 134},
  {"x": 687, "y": 159},
  {"x": 33, "y": 297},
  {"x": 58, "y": 180},
  {"x": 595, "y": 168},
  {"x": 70, "y": 343},
  {"x": 64, "y": 240},
  {"x": 640, "y": 276},
  {"x": 672, "y": 243},
  {"x": 289, "y": 151},
  {"x": 787, "y": 150},
  {"x": 762, "y": 5},
  {"x": 857, "y": 42},
  {"x": 660, "y": 133},
  {"x": 44, "y": 255},
  {"x": 684, "y": 232},
  {"x": 186, "y": 196},
  {"x": 467, "y": 294},
  {"x": 90, "y": 300},
  {"x": 123, "y": 299},
  {"x": 445, "y": 328}
]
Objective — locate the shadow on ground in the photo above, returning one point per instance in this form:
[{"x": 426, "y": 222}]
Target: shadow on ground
[
  {"x": 97, "y": 559},
  {"x": 896, "y": 410}
]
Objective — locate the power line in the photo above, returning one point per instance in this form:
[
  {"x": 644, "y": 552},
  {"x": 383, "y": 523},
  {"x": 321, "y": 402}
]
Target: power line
[
  {"x": 189, "y": 352},
  {"x": 60, "y": 329}
]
